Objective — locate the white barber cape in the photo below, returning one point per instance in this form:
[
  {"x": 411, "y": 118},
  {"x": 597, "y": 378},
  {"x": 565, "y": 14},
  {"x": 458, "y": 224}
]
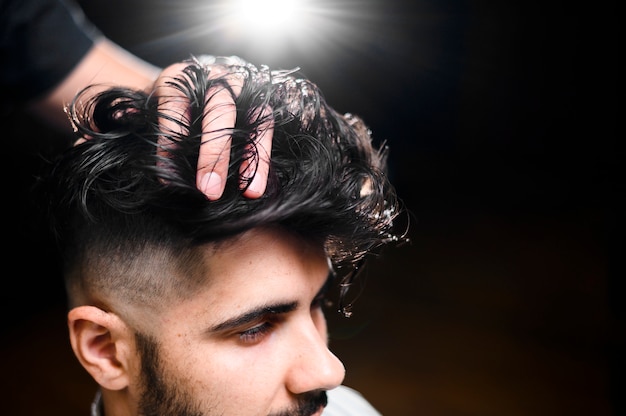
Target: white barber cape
[{"x": 342, "y": 401}]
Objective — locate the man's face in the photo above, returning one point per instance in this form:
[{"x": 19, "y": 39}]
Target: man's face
[{"x": 253, "y": 341}]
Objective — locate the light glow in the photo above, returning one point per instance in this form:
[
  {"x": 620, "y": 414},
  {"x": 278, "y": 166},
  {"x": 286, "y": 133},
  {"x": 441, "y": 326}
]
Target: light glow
[
  {"x": 268, "y": 16},
  {"x": 280, "y": 33}
]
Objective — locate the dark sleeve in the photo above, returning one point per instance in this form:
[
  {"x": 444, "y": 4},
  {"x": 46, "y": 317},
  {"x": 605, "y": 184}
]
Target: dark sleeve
[{"x": 41, "y": 41}]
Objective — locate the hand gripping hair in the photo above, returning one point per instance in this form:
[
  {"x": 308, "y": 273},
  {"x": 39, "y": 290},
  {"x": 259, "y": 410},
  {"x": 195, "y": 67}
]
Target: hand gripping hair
[{"x": 131, "y": 184}]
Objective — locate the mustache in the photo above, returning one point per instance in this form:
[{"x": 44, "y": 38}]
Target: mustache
[{"x": 308, "y": 404}]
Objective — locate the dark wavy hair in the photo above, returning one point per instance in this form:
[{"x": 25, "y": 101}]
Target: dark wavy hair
[{"x": 116, "y": 194}]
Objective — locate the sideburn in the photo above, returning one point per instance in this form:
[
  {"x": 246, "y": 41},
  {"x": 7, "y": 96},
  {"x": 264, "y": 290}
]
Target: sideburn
[{"x": 160, "y": 395}]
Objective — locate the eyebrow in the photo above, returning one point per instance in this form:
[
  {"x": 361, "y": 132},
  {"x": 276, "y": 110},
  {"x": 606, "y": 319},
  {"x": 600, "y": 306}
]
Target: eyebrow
[
  {"x": 263, "y": 311},
  {"x": 254, "y": 315}
]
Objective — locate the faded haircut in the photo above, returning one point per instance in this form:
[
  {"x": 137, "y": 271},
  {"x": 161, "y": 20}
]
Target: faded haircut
[{"x": 124, "y": 204}]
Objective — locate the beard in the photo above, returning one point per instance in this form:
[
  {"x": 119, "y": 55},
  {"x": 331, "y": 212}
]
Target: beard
[
  {"x": 164, "y": 396},
  {"x": 160, "y": 397}
]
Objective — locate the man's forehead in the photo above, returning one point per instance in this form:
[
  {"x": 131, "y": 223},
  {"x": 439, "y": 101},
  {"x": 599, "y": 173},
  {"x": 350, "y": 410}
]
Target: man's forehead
[
  {"x": 260, "y": 266},
  {"x": 260, "y": 240}
]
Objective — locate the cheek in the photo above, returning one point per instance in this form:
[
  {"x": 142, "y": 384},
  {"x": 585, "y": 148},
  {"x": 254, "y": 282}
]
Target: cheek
[
  {"x": 227, "y": 380},
  {"x": 242, "y": 375}
]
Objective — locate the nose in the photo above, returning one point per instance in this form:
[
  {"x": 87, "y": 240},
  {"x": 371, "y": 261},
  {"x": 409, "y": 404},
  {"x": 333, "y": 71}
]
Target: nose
[{"x": 313, "y": 365}]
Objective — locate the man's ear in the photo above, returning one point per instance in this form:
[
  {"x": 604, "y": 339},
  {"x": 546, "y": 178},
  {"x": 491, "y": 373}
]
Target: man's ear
[{"x": 103, "y": 344}]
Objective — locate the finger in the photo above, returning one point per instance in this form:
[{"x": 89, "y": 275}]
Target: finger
[
  {"x": 254, "y": 170},
  {"x": 217, "y": 125},
  {"x": 233, "y": 77},
  {"x": 173, "y": 108}
]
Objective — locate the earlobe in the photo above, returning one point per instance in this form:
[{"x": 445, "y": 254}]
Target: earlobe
[{"x": 102, "y": 344}]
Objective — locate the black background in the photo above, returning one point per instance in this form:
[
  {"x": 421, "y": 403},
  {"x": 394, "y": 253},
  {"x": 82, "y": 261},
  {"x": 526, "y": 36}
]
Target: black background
[{"x": 501, "y": 119}]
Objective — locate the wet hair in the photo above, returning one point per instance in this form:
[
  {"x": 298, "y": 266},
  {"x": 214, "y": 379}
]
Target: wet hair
[{"x": 124, "y": 203}]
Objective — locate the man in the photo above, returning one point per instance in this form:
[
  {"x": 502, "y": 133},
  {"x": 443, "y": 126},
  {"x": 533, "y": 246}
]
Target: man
[{"x": 182, "y": 305}]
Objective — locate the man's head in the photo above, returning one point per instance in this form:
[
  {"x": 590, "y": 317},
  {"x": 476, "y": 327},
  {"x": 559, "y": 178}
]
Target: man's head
[{"x": 181, "y": 305}]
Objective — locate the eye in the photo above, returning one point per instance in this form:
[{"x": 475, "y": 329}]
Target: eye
[{"x": 256, "y": 334}]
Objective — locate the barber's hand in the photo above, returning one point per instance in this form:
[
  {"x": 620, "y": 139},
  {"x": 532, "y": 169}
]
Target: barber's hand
[{"x": 219, "y": 120}]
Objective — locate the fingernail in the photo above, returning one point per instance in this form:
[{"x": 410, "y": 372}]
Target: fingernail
[
  {"x": 256, "y": 187},
  {"x": 211, "y": 185}
]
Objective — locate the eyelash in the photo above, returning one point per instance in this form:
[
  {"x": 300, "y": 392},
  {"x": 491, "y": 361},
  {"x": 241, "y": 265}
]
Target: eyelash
[{"x": 256, "y": 333}]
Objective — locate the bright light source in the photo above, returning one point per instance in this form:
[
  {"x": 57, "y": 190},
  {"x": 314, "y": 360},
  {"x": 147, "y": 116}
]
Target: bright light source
[
  {"x": 286, "y": 30},
  {"x": 272, "y": 16},
  {"x": 267, "y": 12}
]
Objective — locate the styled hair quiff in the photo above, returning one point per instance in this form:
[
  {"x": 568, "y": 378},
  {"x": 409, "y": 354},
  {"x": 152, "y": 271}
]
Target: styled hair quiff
[{"x": 126, "y": 211}]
